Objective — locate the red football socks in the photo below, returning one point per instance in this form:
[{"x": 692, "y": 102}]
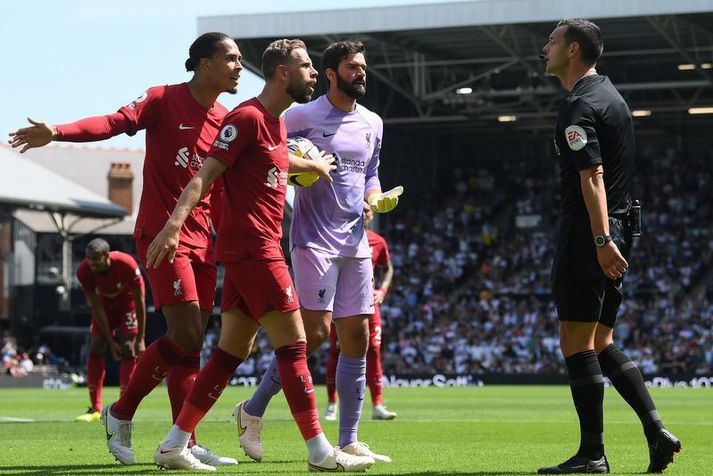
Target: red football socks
[
  {"x": 95, "y": 379},
  {"x": 374, "y": 374},
  {"x": 180, "y": 382},
  {"x": 298, "y": 388},
  {"x": 151, "y": 369},
  {"x": 207, "y": 388},
  {"x": 126, "y": 370}
]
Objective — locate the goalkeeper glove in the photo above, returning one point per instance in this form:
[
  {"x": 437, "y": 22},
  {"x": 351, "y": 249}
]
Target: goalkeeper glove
[{"x": 385, "y": 202}]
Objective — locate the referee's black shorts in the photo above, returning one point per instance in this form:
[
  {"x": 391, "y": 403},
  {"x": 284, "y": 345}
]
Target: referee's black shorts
[{"x": 581, "y": 291}]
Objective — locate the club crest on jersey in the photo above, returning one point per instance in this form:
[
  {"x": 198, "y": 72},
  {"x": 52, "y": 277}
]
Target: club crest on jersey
[
  {"x": 367, "y": 136},
  {"x": 576, "y": 137}
]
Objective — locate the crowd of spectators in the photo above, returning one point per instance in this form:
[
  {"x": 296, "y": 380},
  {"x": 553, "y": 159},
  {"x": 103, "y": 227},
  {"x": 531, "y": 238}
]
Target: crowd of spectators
[{"x": 20, "y": 362}]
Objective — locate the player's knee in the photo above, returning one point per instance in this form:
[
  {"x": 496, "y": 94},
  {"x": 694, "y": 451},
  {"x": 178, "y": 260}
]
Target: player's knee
[
  {"x": 316, "y": 335},
  {"x": 127, "y": 350},
  {"x": 97, "y": 346},
  {"x": 187, "y": 337},
  {"x": 601, "y": 343}
]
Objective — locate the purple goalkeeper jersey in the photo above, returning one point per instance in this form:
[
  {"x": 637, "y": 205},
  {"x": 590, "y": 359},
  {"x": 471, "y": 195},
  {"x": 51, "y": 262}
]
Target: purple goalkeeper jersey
[{"x": 328, "y": 216}]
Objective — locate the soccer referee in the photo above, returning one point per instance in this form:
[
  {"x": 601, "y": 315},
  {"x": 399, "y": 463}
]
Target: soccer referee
[{"x": 594, "y": 142}]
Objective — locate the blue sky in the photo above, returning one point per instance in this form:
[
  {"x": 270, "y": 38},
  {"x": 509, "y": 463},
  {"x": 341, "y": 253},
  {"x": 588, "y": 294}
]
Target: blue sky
[{"x": 64, "y": 60}]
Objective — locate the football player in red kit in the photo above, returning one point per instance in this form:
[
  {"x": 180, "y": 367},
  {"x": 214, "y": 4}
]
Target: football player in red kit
[
  {"x": 181, "y": 123},
  {"x": 114, "y": 288},
  {"x": 250, "y": 153}
]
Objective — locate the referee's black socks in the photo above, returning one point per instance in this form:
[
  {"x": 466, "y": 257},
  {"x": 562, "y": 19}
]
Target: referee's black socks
[
  {"x": 628, "y": 381},
  {"x": 587, "y": 385}
]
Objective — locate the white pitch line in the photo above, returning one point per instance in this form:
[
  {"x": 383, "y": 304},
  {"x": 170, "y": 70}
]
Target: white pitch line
[{"x": 15, "y": 420}]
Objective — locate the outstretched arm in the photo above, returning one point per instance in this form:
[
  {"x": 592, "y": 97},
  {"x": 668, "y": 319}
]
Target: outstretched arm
[{"x": 89, "y": 129}]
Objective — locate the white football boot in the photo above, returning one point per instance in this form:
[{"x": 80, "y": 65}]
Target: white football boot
[
  {"x": 381, "y": 413},
  {"x": 331, "y": 413},
  {"x": 205, "y": 456},
  {"x": 249, "y": 431},
  {"x": 339, "y": 461},
  {"x": 362, "y": 449},
  {"x": 179, "y": 457},
  {"x": 118, "y": 436}
]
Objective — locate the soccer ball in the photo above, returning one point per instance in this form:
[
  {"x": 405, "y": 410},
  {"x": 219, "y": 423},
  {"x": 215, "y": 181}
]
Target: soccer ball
[{"x": 304, "y": 148}]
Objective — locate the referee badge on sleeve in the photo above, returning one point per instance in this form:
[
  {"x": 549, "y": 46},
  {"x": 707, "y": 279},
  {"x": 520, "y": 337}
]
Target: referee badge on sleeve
[{"x": 576, "y": 137}]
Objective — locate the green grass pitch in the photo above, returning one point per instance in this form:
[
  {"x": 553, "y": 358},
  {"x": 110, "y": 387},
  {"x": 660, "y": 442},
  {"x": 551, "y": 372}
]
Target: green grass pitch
[{"x": 494, "y": 430}]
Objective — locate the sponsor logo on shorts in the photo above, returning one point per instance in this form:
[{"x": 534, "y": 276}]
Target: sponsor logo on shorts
[
  {"x": 289, "y": 298},
  {"x": 177, "y": 290},
  {"x": 320, "y": 295}
]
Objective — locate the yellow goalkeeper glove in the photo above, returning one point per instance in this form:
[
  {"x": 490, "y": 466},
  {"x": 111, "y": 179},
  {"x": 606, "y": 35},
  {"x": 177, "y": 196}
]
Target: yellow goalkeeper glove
[{"x": 385, "y": 202}]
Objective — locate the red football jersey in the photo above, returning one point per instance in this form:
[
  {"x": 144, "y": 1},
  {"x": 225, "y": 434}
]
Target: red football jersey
[
  {"x": 379, "y": 250},
  {"x": 113, "y": 288},
  {"x": 253, "y": 145},
  {"x": 179, "y": 133}
]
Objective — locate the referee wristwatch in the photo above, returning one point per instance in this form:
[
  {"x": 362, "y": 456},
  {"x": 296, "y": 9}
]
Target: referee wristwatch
[{"x": 601, "y": 240}]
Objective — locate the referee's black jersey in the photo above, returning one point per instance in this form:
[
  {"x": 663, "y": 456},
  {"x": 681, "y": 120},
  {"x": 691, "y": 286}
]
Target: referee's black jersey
[{"x": 594, "y": 127}]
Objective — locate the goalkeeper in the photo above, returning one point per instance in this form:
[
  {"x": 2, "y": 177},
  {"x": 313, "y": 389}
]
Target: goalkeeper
[{"x": 330, "y": 252}]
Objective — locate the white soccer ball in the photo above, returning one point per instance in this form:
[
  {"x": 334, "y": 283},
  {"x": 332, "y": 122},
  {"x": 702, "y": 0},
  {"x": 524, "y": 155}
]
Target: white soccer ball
[{"x": 304, "y": 148}]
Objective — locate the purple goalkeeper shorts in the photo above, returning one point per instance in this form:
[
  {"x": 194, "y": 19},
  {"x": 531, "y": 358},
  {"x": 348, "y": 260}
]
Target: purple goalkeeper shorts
[{"x": 340, "y": 285}]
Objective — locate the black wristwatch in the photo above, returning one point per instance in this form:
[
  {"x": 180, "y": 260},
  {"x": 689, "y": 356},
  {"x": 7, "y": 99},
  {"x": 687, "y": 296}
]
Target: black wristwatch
[{"x": 601, "y": 240}]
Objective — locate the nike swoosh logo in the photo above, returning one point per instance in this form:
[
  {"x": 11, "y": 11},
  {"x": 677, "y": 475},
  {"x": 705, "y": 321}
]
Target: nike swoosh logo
[
  {"x": 185, "y": 128},
  {"x": 241, "y": 429},
  {"x": 307, "y": 390},
  {"x": 272, "y": 147},
  {"x": 324, "y": 134},
  {"x": 337, "y": 469},
  {"x": 164, "y": 452}
]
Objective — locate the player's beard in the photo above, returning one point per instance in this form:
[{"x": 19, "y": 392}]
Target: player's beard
[
  {"x": 349, "y": 89},
  {"x": 299, "y": 92}
]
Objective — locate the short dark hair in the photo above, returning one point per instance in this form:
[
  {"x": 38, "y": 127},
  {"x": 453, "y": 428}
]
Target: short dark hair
[
  {"x": 587, "y": 34},
  {"x": 279, "y": 52},
  {"x": 98, "y": 245},
  {"x": 205, "y": 46},
  {"x": 337, "y": 52}
]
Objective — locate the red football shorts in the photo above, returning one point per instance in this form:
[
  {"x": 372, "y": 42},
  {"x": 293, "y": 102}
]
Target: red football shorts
[
  {"x": 258, "y": 287},
  {"x": 122, "y": 321},
  {"x": 375, "y": 328},
  {"x": 191, "y": 277}
]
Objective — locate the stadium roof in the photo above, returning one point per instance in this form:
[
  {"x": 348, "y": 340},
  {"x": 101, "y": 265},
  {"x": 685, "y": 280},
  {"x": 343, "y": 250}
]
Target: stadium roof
[
  {"x": 26, "y": 185},
  {"x": 467, "y": 65}
]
